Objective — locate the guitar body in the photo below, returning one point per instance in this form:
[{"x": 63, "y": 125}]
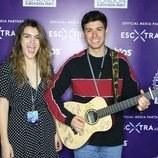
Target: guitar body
[
  {"x": 97, "y": 117},
  {"x": 93, "y": 124}
]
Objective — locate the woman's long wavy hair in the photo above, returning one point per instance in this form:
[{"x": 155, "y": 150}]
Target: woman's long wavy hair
[{"x": 42, "y": 57}]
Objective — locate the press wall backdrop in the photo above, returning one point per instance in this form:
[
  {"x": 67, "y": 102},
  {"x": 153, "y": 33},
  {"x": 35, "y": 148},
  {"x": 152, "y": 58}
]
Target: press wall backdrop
[{"x": 132, "y": 30}]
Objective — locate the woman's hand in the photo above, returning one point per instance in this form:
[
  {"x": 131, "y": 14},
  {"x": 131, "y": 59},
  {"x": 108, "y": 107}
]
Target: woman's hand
[
  {"x": 7, "y": 150},
  {"x": 58, "y": 143}
]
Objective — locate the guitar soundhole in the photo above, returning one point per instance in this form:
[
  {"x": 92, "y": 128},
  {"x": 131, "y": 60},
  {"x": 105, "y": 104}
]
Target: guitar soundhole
[{"x": 91, "y": 117}]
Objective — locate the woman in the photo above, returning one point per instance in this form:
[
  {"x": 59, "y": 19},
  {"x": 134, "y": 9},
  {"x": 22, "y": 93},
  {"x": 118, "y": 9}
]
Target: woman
[{"x": 27, "y": 128}]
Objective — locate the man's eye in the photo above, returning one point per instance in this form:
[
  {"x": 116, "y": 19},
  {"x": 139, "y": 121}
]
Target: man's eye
[
  {"x": 100, "y": 29},
  {"x": 88, "y": 30}
]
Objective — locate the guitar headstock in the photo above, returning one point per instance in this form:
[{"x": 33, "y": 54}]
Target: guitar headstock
[{"x": 153, "y": 93}]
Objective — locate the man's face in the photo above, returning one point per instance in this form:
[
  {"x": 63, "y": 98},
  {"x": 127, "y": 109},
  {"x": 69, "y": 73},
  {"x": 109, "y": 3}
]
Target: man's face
[{"x": 94, "y": 33}]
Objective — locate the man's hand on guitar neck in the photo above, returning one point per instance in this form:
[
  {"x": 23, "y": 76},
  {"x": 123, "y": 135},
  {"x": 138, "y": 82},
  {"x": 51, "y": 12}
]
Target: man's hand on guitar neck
[
  {"x": 77, "y": 123},
  {"x": 143, "y": 102}
]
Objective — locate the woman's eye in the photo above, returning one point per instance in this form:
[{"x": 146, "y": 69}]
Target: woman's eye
[
  {"x": 26, "y": 36},
  {"x": 37, "y": 37}
]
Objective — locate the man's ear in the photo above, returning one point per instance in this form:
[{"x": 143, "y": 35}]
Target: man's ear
[{"x": 107, "y": 30}]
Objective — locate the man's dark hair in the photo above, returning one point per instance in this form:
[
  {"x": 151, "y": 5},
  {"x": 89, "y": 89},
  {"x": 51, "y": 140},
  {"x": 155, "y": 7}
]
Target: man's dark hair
[{"x": 93, "y": 16}]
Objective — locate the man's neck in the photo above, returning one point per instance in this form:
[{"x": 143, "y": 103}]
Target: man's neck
[{"x": 99, "y": 52}]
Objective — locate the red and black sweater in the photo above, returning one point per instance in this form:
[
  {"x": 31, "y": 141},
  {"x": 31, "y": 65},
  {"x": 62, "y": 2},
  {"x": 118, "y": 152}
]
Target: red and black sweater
[{"x": 75, "y": 73}]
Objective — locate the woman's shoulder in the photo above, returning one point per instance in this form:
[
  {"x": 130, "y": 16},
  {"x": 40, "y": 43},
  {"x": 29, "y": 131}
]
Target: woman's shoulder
[{"x": 6, "y": 65}]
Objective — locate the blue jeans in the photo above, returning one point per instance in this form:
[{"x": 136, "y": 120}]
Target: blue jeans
[{"x": 89, "y": 151}]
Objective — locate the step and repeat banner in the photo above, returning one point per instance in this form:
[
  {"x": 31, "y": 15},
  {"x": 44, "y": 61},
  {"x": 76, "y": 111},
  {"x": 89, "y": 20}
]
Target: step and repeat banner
[{"x": 132, "y": 30}]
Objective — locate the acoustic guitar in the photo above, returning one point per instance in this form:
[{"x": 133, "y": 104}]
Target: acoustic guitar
[{"x": 97, "y": 117}]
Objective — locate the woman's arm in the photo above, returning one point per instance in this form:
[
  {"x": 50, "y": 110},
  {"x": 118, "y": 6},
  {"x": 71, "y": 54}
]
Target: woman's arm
[{"x": 7, "y": 150}]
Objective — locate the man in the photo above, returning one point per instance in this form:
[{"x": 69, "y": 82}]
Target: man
[{"x": 89, "y": 73}]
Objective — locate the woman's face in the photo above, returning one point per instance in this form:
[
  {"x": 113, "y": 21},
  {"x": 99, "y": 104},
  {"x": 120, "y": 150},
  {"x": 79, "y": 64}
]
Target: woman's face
[{"x": 30, "y": 42}]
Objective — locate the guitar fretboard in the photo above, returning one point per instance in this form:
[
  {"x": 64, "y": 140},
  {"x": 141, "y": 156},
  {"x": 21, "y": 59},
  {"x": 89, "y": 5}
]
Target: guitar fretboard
[{"x": 114, "y": 108}]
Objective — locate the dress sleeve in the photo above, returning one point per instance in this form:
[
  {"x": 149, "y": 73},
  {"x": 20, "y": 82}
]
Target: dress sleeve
[{"x": 4, "y": 82}]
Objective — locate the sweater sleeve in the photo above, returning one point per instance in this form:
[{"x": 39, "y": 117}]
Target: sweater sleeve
[{"x": 53, "y": 96}]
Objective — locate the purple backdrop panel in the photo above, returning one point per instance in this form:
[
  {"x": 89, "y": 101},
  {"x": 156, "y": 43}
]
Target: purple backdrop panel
[{"x": 132, "y": 30}]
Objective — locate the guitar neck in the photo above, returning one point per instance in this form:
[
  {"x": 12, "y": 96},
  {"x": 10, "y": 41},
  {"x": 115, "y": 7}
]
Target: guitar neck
[{"x": 124, "y": 104}]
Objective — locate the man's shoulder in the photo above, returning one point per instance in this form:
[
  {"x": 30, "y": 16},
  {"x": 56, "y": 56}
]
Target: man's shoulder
[
  {"x": 78, "y": 55},
  {"x": 74, "y": 59},
  {"x": 120, "y": 54}
]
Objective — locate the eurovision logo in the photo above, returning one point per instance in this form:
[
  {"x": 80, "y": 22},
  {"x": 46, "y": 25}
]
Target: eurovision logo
[
  {"x": 111, "y": 4},
  {"x": 39, "y": 3}
]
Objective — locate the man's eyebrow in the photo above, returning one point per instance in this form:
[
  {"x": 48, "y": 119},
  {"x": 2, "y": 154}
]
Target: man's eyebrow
[{"x": 97, "y": 27}]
